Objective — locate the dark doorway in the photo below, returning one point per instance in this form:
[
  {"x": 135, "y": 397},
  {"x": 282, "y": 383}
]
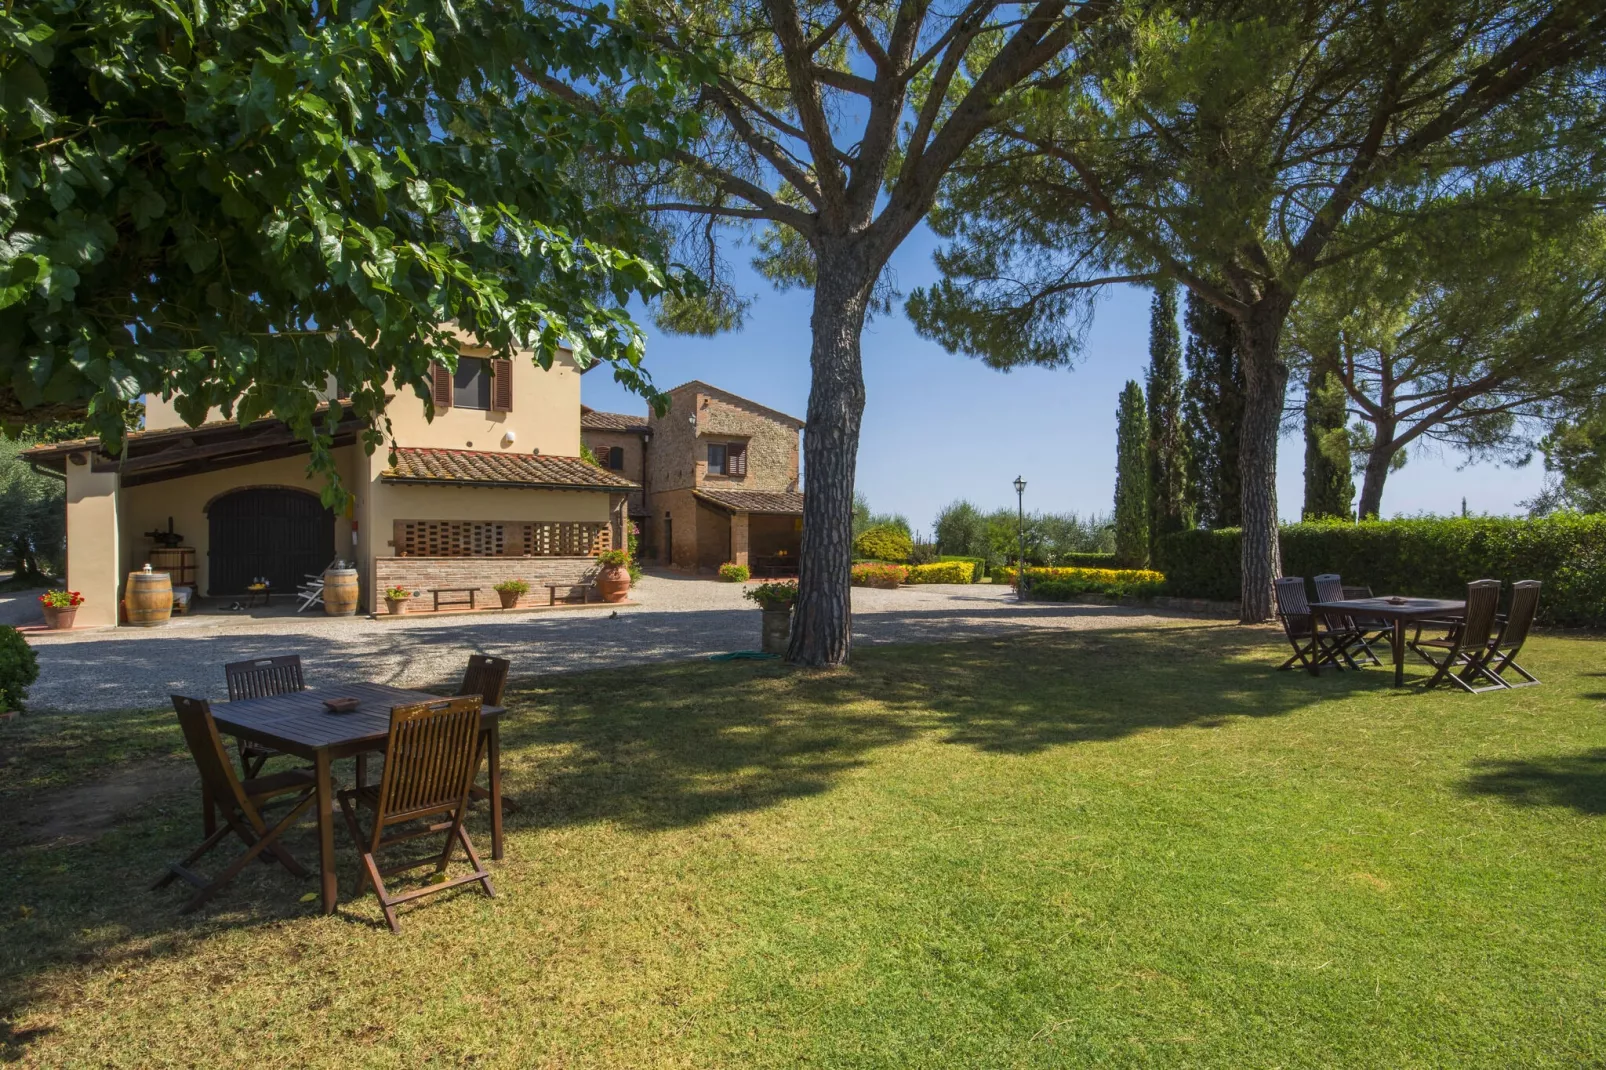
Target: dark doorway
[
  {"x": 282, "y": 535},
  {"x": 669, "y": 541}
]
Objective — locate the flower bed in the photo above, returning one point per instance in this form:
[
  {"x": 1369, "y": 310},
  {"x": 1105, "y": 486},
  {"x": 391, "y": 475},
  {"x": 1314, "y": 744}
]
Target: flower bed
[
  {"x": 942, "y": 572},
  {"x": 885, "y": 577},
  {"x": 1059, "y": 584}
]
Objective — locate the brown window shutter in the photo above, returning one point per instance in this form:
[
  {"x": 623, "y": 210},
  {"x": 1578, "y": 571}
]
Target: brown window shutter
[
  {"x": 441, "y": 386},
  {"x": 502, "y": 385},
  {"x": 737, "y": 464}
]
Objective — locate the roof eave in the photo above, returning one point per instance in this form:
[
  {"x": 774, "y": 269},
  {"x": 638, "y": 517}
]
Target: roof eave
[{"x": 611, "y": 488}]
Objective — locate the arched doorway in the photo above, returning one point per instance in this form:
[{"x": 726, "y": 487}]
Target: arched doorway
[{"x": 273, "y": 532}]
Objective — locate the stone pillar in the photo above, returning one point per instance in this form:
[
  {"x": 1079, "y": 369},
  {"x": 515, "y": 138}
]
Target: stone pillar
[
  {"x": 94, "y": 552},
  {"x": 739, "y": 553}
]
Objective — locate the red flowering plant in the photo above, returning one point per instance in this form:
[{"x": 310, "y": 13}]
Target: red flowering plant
[{"x": 61, "y": 599}]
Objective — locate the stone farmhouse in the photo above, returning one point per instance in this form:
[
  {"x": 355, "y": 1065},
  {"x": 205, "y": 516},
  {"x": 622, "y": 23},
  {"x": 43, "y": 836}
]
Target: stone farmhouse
[
  {"x": 719, "y": 479},
  {"x": 492, "y": 489}
]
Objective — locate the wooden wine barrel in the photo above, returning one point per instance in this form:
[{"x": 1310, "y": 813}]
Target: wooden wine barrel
[
  {"x": 148, "y": 598},
  {"x": 177, "y": 561},
  {"x": 340, "y": 592}
]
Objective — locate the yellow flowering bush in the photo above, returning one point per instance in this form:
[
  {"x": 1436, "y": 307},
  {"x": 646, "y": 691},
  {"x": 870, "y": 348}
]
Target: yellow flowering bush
[
  {"x": 941, "y": 572},
  {"x": 1061, "y": 583}
]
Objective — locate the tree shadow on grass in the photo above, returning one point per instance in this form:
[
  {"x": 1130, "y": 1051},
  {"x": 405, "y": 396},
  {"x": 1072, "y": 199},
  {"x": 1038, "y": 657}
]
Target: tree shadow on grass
[
  {"x": 1577, "y": 781},
  {"x": 672, "y": 746}
]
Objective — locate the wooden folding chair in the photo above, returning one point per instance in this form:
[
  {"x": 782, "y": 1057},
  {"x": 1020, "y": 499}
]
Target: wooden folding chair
[
  {"x": 430, "y": 760},
  {"x": 240, "y": 801},
  {"x": 261, "y": 678},
  {"x": 1308, "y": 635},
  {"x": 1375, "y": 629},
  {"x": 1466, "y": 649},
  {"x": 486, "y": 677},
  {"x": 1514, "y": 627},
  {"x": 1347, "y": 632}
]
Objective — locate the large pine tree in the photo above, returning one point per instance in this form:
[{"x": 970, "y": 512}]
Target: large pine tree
[
  {"x": 1131, "y": 479},
  {"x": 1213, "y": 412},
  {"x": 1329, "y": 485},
  {"x": 1167, "y": 445}
]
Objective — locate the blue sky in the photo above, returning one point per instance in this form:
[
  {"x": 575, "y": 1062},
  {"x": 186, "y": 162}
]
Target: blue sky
[{"x": 938, "y": 427}]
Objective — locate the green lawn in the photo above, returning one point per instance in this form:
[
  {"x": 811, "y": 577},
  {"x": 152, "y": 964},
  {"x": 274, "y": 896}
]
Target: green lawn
[{"x": 1122, "y": 848}]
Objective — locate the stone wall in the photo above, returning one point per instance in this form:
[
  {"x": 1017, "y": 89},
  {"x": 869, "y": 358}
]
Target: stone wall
[
  {"x": 635, "y": 458},
  {"x": 483, "y": 573}
]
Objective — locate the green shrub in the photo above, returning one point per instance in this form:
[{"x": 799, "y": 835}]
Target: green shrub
[
  {"x": 734, "y": 573},
  {"x": 883, "y": 543},
  {"x": 878, "y": 575},
  {"x": 1427, "y": 557},
  {"x": 942, "y": 572},
  {"x": 1086, "y": 560},
  {"x": 978, "y": 565},
  {"x": 1065, "y": 590},
  {"x": 18, "y": 668},
  {"x": 518, "y": 587}
]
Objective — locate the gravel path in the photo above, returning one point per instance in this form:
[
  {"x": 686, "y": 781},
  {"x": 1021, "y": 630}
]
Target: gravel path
[{"x": 677, "y": 618}]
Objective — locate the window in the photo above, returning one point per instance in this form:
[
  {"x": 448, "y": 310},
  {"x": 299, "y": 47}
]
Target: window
[
  {"x": 727, "y": 458},
  {"x": 471, "y": 384},
  {"x": 614, "y": 457}
]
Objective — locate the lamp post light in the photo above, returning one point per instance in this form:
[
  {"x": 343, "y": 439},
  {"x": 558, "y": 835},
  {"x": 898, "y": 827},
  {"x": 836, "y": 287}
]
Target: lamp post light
[{"x": 1020, "y": 561}]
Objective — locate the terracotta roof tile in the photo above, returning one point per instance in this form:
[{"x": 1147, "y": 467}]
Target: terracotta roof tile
[
  {"x": 786, "y": 503},
  {"x": 480, "y": 468},
  {"x": 591, "y": 420}
]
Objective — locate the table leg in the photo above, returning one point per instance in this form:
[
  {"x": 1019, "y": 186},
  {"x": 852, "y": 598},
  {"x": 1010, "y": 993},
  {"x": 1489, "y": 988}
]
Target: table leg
[
  {"x": 494, "y": 753},
  {"x": 1399, "y": 653},
  {"x": 326, "y": 828}
]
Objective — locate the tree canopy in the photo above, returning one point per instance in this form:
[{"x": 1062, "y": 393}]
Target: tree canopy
[
  {"x": 233, "y": 203},
  {"x": 1228, "y": 146}
]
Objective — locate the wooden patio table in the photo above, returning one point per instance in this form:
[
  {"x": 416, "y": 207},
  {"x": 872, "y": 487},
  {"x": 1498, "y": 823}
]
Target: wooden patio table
[
  {"x": 298, "y": 723},
  {"x": 1400, "y": 613}
]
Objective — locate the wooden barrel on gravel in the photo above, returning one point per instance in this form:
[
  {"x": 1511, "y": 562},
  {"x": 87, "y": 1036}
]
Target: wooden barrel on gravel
[
  {"x": 340, "y": 592},
  {"x": 148, "y": 599}
]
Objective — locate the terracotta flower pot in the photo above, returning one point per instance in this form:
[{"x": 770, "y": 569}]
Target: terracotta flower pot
[
  {"x": 59, "y": 618},
  {"x": 510, "y": 599},
  {"x": 613, "y": 583},
  {"x": 397, "y": 606}
]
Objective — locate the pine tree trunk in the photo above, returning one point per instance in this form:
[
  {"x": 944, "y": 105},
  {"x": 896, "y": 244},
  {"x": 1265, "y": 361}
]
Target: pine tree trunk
[
  {"x": 822, "y": 622},
  {"x": 1266, "y": 384},
  {"x": 1377, "y": 471}
]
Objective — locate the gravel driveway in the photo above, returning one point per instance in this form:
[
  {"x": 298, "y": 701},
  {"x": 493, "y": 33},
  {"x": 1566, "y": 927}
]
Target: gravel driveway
[{"x": 678, "y": 617}]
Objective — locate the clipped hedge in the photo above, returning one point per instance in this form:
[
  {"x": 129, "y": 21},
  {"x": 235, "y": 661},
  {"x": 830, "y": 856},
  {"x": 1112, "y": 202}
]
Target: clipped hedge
[
  {"x": 942, "y": 572},
  {"x": 978, "y": 565},
  {"x": 884, "y": 543},
  {"x": 883, "y": 576},
  {"x": 1057, "y": 584},
  {"x": 1089, "y": 560},
  {"x": 1427, "y": 557},
  {"x": 731, "y": 572}
]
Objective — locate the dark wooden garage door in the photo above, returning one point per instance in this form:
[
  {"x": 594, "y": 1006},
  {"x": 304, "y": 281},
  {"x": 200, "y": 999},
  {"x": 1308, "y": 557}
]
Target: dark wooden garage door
[{"x": 280, "y": 534}]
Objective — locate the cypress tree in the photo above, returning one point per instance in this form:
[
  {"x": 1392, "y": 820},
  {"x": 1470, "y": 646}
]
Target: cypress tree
[
  {"x": 1329, "y": 485},
  {"x": 1213, "y": 412},
  {"x": 1167, "y": 446},
  {"x": 1131, "y": 479}
]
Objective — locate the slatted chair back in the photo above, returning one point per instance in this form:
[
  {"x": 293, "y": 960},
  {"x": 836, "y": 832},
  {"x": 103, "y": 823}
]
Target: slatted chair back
[
  {"x": 1329, "y": 587},
  {"x": 1292, "y": 605},
  {"x": 217, "y": 772},
  {"x": 1524, "y": 605},
  {"x": 264, "y": 677},
  {"x": 430, "y": 761},
  {"x": 1352, "y": 593},
  {"x": 1483, "y": 603},
  {"x": 486, "y": 677}
]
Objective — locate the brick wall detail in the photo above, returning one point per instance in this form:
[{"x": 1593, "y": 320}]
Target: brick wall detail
[{"x": 482, "y": 573}]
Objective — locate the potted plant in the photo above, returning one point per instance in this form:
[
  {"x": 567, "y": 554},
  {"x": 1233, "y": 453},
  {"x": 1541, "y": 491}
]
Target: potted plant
[
  {"x": 510, "y": 591},
  {"x": 60, "y": 608},
  {"x": 776, "y": 600},
  {"x": 613, "y": 578},
  {"x": 396, "y": 599}
]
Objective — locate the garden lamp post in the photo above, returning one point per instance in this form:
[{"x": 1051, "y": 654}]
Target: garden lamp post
[{"x": 1020, "y": 561}]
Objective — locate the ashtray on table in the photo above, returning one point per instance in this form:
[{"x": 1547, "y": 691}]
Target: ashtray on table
[
  {"x": 340, "y": 705},
  {"x": 1397, "y": 601}
]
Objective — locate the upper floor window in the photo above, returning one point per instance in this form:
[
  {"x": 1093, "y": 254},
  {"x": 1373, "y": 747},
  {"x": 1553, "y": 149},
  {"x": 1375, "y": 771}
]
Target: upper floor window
[
  {"x": 727, "y": 458},
  {"x": 471, "y": 383},
  {"x": 612, "y": 457}
]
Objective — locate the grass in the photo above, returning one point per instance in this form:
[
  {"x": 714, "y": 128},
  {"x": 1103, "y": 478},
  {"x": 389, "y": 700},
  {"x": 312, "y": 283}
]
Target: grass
[{"x": 1123, "y": 848}]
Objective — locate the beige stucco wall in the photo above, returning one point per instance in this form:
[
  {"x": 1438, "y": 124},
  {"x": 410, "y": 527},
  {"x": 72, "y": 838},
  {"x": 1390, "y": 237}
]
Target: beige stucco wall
[
  {"x": 393, "y": 502},
  {"x": 147, "y": 507},
  {"x": 93, "y": 553}
]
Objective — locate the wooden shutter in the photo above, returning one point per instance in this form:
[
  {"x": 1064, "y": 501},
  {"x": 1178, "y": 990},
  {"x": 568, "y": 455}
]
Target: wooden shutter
[
  {"x": 501, "y": 386},
  {"x": 441, "y": 386},
  {"x": 736, "y": 459}
]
